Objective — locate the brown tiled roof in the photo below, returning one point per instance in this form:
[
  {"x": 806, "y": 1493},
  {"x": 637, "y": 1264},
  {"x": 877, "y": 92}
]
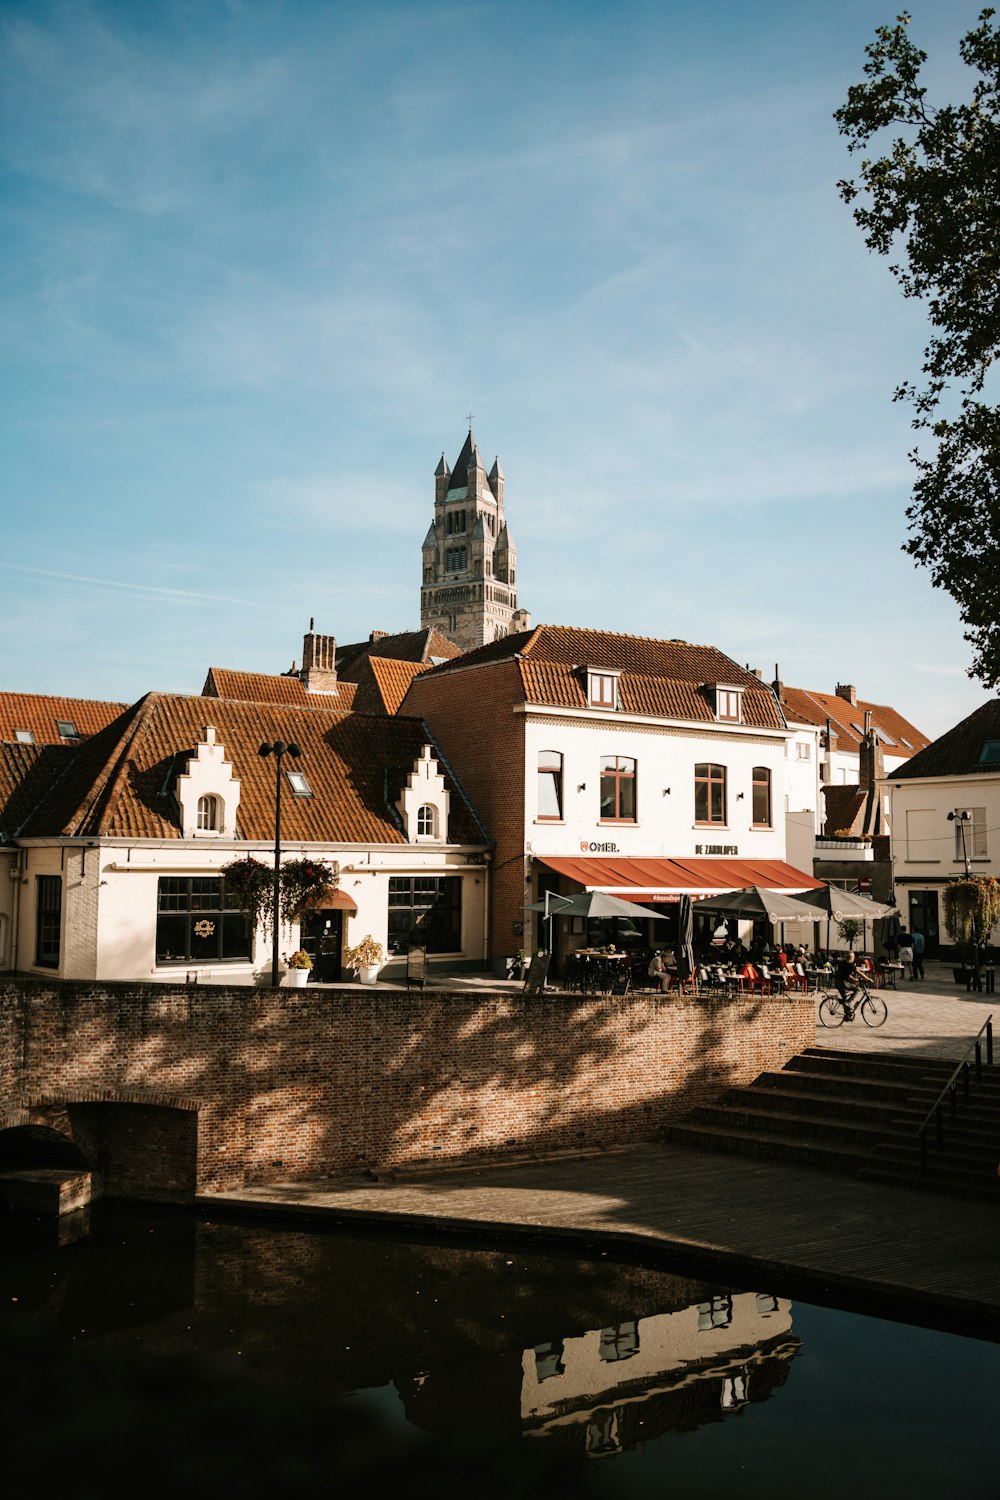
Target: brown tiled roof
[
  {"x": 657, "y": 677},
  {"x": 410, "y": 645},
  {"x": 382, "y": 685},
  {"x": 263, "y": 687},
  {"x": 843, "y": 806},
  {"x": 804, "y": 706},
  {"x": 957, "y": 752},
  {"x": 121, "y": 783},
  {"x": 38, "y": 713},
  {"x": 27, "y": 774}
]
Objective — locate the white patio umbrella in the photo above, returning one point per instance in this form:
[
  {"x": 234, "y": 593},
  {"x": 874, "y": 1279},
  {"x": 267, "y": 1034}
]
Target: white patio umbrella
[{"x": 755, "y": 901}]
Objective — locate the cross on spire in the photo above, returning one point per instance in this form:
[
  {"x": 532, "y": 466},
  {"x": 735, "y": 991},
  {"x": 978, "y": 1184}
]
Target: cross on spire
[{"x": 470, "y": 419}]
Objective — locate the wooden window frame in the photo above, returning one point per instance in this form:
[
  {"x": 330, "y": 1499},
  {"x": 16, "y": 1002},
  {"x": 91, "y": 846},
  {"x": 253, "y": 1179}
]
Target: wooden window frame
[
  {"x": 555, "y": 771},
  {"x": 705, "y": 775},
  {"x": 619, "y": 776},
  {"x": 761, "y": 777}
]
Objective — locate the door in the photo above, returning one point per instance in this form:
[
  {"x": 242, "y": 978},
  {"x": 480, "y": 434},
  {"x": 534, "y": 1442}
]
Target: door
[
  {"x": 924, "y": 918},
  {"x": 323, "y": 938}
]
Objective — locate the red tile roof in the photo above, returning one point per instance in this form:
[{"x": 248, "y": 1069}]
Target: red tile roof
[
  {"x": 426, "y": 646},
  {"x": 27, "y": 774},
  {"x": 39, "y": 713},
  {"x": 899, "y": 737},
  {"x": 382, "y": 685},
  {"x": 660, "y": 678},
  {"x": 264, "y": 687},
  {"x": 121, "y": 782}
]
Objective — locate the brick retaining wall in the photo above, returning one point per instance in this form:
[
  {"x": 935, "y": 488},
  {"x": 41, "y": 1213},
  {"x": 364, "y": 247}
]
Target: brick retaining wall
[{"x": 299, "y": 1083}]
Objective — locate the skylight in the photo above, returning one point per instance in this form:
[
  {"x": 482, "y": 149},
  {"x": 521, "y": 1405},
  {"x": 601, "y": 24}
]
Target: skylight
[
  {"x": 299, "y": 784},
  {"x": 67, "y": 729},
  {"x": 24, "y": 736},
  {"x": 990, "y": 753}
]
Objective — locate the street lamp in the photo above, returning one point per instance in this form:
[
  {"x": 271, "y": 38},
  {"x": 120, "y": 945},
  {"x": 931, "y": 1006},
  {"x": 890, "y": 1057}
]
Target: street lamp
[
  {"x": 961, "y": 817},
  {"x": 278, "y": 749}
]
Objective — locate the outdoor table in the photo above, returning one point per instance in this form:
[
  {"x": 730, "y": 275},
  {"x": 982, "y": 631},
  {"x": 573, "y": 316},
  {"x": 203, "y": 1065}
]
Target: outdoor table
[
  {"x": 817, "y": 974},
  {"x": 888, "y": 972}
]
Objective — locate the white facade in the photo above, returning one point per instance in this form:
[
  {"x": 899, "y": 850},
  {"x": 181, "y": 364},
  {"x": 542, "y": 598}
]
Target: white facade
[{"x": 927, "y": 849}]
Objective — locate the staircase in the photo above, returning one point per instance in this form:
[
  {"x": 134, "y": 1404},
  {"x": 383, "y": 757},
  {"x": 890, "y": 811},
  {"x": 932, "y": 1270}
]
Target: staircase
[{"x": 859, "y": 1113}]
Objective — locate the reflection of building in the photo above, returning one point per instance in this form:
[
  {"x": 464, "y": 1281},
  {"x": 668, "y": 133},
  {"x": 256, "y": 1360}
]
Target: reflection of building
[
  {"x": 958, "y": 773},
  {"x": 615, "y": 1386}
]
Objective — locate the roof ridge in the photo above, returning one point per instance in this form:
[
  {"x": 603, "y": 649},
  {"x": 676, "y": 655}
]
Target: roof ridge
[{"x": 107, "y": 784}]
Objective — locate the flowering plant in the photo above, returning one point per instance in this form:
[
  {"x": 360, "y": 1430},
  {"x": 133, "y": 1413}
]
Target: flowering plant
[
  {"x": 299, "y": 960},
  {"x": 250, "y": 883},
  {"x": 368, "y": 954},
  {"x": 302, "y": 880}
]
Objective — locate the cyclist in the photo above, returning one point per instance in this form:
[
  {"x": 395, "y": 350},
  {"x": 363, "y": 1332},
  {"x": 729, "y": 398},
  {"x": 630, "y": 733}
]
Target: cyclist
[{"x": 846, "y": 970}]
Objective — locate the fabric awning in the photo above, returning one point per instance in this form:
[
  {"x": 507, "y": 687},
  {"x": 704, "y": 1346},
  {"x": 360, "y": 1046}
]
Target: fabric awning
[
  {"x": 668, "y": 879},
  {"x": 335, "y": 900}
]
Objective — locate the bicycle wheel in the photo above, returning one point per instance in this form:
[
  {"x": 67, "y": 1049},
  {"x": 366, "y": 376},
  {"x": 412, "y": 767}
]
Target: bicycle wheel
[
  {"x": 831, "y": 1011},
  {"x": 873, "y": 1010}
]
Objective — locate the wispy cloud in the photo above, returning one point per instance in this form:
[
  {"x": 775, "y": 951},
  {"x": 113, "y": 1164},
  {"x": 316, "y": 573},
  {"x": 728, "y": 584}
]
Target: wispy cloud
[{"x": 126, "y": 586}]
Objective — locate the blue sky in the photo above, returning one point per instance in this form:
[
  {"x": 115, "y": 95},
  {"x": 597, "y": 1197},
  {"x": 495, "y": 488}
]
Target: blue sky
[{"x": 259, "y": 259}]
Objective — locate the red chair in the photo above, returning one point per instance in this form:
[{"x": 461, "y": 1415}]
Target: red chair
[{"x": 755, "y": 980}]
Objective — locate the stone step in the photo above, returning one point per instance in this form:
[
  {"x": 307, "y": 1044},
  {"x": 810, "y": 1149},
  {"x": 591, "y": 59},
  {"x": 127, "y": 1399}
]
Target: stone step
[{"x": 976, "y": 1119}]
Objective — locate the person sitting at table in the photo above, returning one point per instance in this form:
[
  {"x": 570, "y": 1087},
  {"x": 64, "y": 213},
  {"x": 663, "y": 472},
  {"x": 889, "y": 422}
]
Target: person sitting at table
[{"x": 657, "y": 971}]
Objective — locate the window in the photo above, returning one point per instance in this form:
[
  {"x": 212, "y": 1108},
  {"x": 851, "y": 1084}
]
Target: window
[
  {"x": 208, "y": 814},
  {"x": 617, "y": 789},
  {"x": 761, "y": 797},
  {"x": 197, "y": 922},
  {"x": 621, "y": 1342},
  {"x": 727, "y": 704},
  {"x": 550, "y": 785},
  {"x": 456, "y": 523},
  {"x": 602, "y": 689},
  {"x": 886, "y": 739},
  {"x": 803, "y": 750},
  {"x": 989, "y": 754},
  {"x": 455, "y": 560},
  {"x": 910, "y": 747},
  {"x": 709, "y": 793},
  {"x": 24, "y": 736},
  {"x": 426, "y": 822},
  {"x": 67, "y": 730},
  {"x": 549, "y": 1361},
  {"x": 974, "y": 833},
  {"x": 426, "y": 910},
  {"x": 48, "y": 920},
  {"x": 299, "y": 783},
  {"x": 718, "y": 1313}
]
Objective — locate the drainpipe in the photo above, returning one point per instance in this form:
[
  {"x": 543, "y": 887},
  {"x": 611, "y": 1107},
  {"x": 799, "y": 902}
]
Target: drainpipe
[{"x": 15, "y": 915}]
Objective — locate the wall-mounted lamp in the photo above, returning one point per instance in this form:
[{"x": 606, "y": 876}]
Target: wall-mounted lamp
[
  {"x": 666, "y": 791},
  {"x": 582, "y": 787},
  {"x": 739, "y": 796}
]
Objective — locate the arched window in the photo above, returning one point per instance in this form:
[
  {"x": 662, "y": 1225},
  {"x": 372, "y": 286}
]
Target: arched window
[
  {"x": 426, "y": 822},
  {"x": 761, "y": 797},
  {"x": 208, "y": 814}
]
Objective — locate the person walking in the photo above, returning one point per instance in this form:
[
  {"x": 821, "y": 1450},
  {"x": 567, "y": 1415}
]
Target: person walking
[
  {"x": 906, "y": 950},
  {"x": 918, "y": 953}
]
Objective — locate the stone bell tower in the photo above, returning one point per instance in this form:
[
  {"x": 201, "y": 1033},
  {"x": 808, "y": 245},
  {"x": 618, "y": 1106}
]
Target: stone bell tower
[{"x": 469, "y": 587}]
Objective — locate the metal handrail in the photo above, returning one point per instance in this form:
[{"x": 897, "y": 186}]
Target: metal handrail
[{"x": 952, "y": 1087}]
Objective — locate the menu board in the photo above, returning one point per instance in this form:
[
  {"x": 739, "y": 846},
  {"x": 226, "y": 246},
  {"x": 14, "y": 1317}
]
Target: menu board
[{"x": 537, "y": 974}]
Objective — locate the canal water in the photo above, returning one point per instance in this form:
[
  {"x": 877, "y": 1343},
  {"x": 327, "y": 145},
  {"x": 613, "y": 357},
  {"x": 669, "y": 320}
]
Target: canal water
[{"x": 162, "y": 1350}]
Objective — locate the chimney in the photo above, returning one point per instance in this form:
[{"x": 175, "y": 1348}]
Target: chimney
[
  {"x": 871, "y": 761},
  {"x": 845, "y": 690},
  {"x": 378, "y": 635},
  {"x": 319, "y": 662}
]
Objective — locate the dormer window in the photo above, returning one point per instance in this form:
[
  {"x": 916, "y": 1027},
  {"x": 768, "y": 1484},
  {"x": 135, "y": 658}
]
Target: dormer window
[
  {"x": 728, "y": 704},
  {"x": 602, "y": 688},
  {"x": 426, "y": 822},
  {"x": 208, "y": 815}
]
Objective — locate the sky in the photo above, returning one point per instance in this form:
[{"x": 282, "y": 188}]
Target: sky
[{"x": 259, "y": 260}]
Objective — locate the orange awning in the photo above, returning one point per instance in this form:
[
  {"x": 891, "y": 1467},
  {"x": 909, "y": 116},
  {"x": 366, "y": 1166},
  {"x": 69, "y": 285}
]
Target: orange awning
[
  {"x": 666, "y": 879},
  {"x": 335, "y": 900}
]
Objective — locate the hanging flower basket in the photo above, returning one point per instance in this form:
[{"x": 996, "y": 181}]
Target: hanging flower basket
[
  {"x": 250, "y": 884},
  {"x": 304, "y": 882}
]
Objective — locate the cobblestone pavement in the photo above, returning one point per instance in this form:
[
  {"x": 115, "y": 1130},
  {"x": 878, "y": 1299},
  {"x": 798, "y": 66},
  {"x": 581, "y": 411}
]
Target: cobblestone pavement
[{"x": 933, "y": 1017}]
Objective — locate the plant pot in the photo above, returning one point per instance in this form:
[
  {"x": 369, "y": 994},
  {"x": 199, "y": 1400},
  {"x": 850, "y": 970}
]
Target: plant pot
[
  {"x": 962, "y": 976},
  {"x": 369, "y": 975},
  {"x": 297, "y": 978}
]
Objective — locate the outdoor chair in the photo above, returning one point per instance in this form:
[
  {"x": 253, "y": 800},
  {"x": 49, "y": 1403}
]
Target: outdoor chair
[{"x": 754, "y": 980}]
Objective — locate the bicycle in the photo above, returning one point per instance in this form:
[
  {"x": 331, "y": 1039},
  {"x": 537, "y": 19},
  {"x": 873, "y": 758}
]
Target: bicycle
[{"x": 872, "y": 1008}]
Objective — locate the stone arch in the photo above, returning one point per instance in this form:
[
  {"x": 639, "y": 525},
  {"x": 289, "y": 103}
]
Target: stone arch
[{"x": 141, "y": 1146}]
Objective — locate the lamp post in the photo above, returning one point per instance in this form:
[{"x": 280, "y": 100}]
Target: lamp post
[
  {"x": 278, "y": 750},
  {"x": 962, "y": 817}
]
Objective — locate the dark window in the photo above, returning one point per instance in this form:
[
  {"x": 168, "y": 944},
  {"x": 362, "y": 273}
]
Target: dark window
[
  {"x": 196, "y": 922},
  {"x": 456, "y": 523},
  {"x": 709, "y": 794},
  {"x": 549, "y": 1361},
  {"x": 455, "y": 560},
  {"x": 617, "y": 789},
  {"x": 718, "y": 1313},
  {"x": 761, "y": 797},
  {"x": 550, "y": 784},
  {"x": 425, "y": 910},
  {"x": 989, "y": 754},
  {"x": 620, "y": 1342},
  {"x": 48, "y": 920}
]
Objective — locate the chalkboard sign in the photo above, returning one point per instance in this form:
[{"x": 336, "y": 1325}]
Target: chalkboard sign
[
  {"x": 537, "y": 974},
  {"x": 416, "y": 966}
]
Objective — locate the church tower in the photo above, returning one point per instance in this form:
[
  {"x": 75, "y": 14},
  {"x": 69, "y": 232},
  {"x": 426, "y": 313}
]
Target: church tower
[{"x": 469, "y": 589}]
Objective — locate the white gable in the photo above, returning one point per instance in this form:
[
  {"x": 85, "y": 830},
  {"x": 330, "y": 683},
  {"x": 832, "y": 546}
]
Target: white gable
[
  {"x": 208, "y": 775},
  {"x": 423, "y": 804}
]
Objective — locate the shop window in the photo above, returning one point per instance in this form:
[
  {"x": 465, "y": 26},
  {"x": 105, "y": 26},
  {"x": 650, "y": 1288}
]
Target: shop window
[
  {"x": 196, "y": 922},
  {"x": 550, "y": 785},
  {"x": 761, "y": 797},
  {"x": 709, "y": 794},
  {"x": 427, "y": 911},
  {"x": 48, "y": 920},
  {"x": 618, "y": 799}
]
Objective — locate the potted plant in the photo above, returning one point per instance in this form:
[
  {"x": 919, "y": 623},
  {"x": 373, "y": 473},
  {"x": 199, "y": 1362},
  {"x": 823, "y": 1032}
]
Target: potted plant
[
  {"x": 515, "y": 965},
  {"x": 298, "y": 965},
  {"x": 971, "y": 908},
  {"x": 366, "y": 958}
]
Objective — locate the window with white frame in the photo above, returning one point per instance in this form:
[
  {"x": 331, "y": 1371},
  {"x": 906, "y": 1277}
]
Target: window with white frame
[
  {"x": 208, "y": 814},
  {"x": 728, "y": 704},
  {"x": 602, "y": 689},
  {"x": 803, "y": 750},
  {"x": 550, "y": 785},
  {"x": 426, "y": 822}
]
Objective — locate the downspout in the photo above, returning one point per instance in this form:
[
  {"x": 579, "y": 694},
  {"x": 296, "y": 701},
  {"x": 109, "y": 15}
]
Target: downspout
[
  {"x": 15, "y": 916},
  {"x": 487, "y": 875}
]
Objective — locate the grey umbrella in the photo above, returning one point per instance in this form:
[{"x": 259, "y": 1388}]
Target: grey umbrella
[
  {"x": 755, "y": 901},
  {"x": 837, "y": 903},
  {"x": 595, "y": 904},
  {"x": 684, "y": 951}
]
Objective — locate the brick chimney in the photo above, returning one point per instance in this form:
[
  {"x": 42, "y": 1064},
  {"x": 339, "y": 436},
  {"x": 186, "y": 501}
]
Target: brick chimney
[
  {"x": 319, "y": 662},
  {"x": 378, "y": 635},
  {"x": 871, "y": 760},
  {"x": 845, "y": 690}
]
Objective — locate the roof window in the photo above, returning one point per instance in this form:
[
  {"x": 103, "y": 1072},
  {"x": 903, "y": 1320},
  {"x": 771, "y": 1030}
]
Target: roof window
[
  {"x": 728, "y": 702},
  {"x": 602, "y": 688},
  {"x": 24, "y": 736},
  {"x": 299, "y": 783},
  {"x": 67, "y": 729},
  {"x": 905, "y": 742},
  {"x": 886, "y": 739},
  {"x": 990, "y": 753}
]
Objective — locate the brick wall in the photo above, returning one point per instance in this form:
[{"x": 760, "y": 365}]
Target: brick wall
[{"x": 299, "y": 1083}]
